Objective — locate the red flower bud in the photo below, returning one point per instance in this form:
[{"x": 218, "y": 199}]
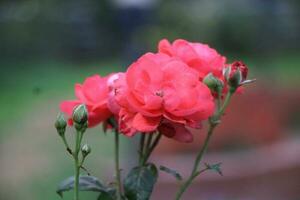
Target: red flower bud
[
  {"x": 235, "y": 74},
  {"x": 239, "y": 65}
]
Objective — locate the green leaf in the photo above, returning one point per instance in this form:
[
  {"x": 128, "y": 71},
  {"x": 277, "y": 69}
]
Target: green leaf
[
  {"x": 86, "y": 183},
  {"x": 109, "y": 195},
  {"x": 104, "y": 196},
  {"x": 140, "y": 181},
  {"x": 214, "y": 167},
  {"x": 172, "y": 172}
]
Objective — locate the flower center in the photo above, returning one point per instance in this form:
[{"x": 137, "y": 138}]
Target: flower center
[{"x": 159, "y": 93}]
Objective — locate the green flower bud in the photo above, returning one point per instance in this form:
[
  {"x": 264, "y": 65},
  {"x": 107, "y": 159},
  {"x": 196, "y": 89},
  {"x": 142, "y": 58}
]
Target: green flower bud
[
  {"x": 236, "y": 79},
  {"x": 60, "y": 124},
  {"x": 226, "y": 73},
  {"x": 85, "y": 150},
  {"x": 213, "y": 83},
  {"x": 80, "y": 117}
]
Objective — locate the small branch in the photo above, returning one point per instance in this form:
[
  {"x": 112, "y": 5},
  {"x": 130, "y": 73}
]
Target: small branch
[
  {"x": 85, "y": 169},
  {"x": 69, "y": 150}
]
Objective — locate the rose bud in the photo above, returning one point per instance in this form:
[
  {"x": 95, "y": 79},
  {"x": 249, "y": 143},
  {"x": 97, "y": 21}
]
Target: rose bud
[
  {"x": 85, "y": 150},
  {"x": 80, "y": 117},
  {"x": 60, "y": 124},
  {"x": 213, "y": 83},
  {"x": 242, "y": 67},
  {"x": 236, "y": 74}
]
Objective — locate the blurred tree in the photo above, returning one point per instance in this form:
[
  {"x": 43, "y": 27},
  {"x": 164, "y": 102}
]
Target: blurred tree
[{"x": 93, "y": 29}]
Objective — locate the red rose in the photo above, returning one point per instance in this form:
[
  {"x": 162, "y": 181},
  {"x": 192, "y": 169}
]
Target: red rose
[
  {"x": 196, "y": 55},
  {"x": 93, "y": 93},
  {"x": 158, "y": 90}
]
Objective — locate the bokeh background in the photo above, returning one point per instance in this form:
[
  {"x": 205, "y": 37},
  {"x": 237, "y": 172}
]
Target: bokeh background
[{"x": 47, "y": 46}]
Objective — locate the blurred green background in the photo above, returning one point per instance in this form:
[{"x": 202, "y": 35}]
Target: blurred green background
[{"x": 48, "y": 46}]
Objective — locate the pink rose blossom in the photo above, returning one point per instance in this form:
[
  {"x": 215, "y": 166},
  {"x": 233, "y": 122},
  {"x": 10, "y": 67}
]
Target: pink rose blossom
[
  {"x": 94, "y": 94},
  {"x": 198, "y": 56},
  {"x": 161, "y": 92}
]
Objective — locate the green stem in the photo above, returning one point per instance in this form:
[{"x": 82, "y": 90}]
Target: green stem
[
  {"x": 225, "y": 104},
  {"x": 219, "y": 93},
  {"x": 82, "y": 161},
  {"x": 66, "y": 145},
  {"x": 151, "y": 148},
  {"x": 149, "y": 141},
  {"x": 117, "y": 168},
  {"x": 85, "y": 169},
  {"x": 142, "y": 143},
  {"x": 195, "y": 173},
  {"x": 213, "y": 122},
  {"x": 77, "y": 164}
]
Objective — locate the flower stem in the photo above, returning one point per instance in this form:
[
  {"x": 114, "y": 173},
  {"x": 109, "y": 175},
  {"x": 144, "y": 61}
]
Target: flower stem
[
  {"x": 213, "y": 122},
  {"x": 142, "y": 144},
  {"x": 149, "y": 141},
  {"x": 195, "y": 173},
  {"x": 151, "y": 148},
  {"x": 219, "y": 100},
  {"x": 66, "y": 145},
  {"x": 225, "y": 104},
  {"x": 117, "y": 168},
  {"x": 77, "y": 164}
]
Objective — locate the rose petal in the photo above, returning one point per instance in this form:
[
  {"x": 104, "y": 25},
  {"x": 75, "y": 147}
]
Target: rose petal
[
  {"x": 164, "y": 46},
  {"x": 95, "y": 88},
  {"x": 182, "y": 134},
  {"x": 176, "y": 131},
  {"x": 68, "y": 106},
  {"x": 145, "y": 124},
  {"x": 125, "y": 122}
]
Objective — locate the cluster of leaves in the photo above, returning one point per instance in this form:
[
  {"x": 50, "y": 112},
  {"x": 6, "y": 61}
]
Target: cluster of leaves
[
  {"x": 138, "y": 185},
  {"x": 87, "y": 183}
]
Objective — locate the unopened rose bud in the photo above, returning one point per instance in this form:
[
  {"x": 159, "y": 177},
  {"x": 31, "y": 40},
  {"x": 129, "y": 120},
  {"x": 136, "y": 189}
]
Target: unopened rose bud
[
  {"x": 226, "y": 72},
  {"x": 60, "y": 124},
  {"x": 236, "y": 74},
  {"x": 80, "y": 117},
  {"x": 235, "y": 79},
  {"x": 213, "y": 83},
  {"x": 85, "y": 150},
  {"x": 242, "y": 67}
]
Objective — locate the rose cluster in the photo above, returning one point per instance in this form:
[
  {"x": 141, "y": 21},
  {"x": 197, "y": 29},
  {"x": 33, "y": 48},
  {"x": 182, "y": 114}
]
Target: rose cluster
[{"x": 170, "y": 91}]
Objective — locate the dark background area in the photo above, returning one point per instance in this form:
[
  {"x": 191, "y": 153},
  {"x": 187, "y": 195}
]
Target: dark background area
[{"x": 47, "y": 46}]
